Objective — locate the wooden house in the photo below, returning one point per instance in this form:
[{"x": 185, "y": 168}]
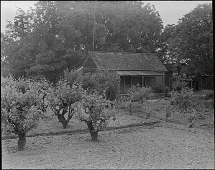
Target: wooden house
[{"x": 143, "y": 69}]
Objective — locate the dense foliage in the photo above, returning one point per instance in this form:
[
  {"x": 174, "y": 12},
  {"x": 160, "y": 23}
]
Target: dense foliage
[
  {"x": 184, "y": 100},
  {"x": 72, "y": 76},
  {"x": 142, "y": 94},
  {"x": 190, "y": 42},
  {"x": 103, "y": 82},
  {"x": 21, "y": 104},
  {"x": 61, "y": 98},
  {"x": 45, "y": 41},
  {"x": 178, "y": 84},
  {"x": 95, "y": 110}
]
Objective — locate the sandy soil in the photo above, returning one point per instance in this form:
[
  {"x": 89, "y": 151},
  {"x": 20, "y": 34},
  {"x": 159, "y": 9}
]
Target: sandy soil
[{"x": 167, "y": 146}]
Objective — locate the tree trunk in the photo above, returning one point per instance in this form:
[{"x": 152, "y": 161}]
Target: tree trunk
[
  {"x": 93, "y": 133},
  {"x": 21, "y": 141},
  {"x": 62, "y": 119}
]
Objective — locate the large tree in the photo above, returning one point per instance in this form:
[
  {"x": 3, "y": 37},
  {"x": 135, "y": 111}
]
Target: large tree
[
  {"x": 114, "y": 26},
  {"x": 51, "y": 37},
  {"x": 129, "y": 26},
  {"x": 192, "y": 42},
  {"x": 17, "y": 47},
  {"x": 57, "y": 39},
  {"x": 165, "y": 40}
]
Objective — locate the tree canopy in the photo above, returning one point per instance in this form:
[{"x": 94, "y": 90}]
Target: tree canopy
[
  {"x": 51, "y": 38},
  {"x": 191, "y": 42}
]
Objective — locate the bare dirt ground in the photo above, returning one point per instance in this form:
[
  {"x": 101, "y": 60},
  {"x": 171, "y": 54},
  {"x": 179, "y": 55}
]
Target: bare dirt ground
[{"x": 165, "y": 145}]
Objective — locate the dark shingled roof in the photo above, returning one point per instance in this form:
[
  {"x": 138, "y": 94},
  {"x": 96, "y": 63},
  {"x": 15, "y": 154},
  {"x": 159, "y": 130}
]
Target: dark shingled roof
[{"x": 127, "y": 61}]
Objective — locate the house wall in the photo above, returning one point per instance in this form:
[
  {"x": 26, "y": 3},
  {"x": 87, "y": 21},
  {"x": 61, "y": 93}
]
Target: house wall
[
  {"x": 168, "y": 76},
  {"x": 159, "y": 80},
  {"x": 89, "y": 66}
]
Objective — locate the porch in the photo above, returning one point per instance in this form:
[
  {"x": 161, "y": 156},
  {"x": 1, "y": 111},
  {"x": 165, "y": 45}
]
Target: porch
[{"x": 140, "y": 78}]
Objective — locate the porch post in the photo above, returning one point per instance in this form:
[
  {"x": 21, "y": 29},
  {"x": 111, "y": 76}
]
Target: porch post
[{"x": 124, "y": 85}]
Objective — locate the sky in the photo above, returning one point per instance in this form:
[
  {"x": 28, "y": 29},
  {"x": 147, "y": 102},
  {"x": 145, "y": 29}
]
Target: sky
[{"x": 170, "y": 11}]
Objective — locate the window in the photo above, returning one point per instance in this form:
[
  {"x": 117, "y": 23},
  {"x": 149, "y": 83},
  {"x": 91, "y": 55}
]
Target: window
[{"x": 127, "y": 80}]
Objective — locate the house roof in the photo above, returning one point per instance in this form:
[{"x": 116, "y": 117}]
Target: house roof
[{"x": 127, "y": 61}]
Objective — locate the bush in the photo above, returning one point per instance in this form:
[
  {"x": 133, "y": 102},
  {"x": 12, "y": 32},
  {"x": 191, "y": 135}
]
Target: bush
[
  {"x": 104, "y": 82},
  {"x": 184, "y": 100},
  {"x": 61, "y": 98},
  {"x": 167, "y": 91},
  {"x": 20, "y": 107},
  {"x": 89, "y": 82},
  {"x": 158, "y": 89},
  {"x": 206, "y": 103},
  {"x": 72, "y": 76},
  {"x": 141, "y": 94},
  {"x": 179, "y": 84},
  {"x": 208, "y": 94},
  {"x": 94, "y": 110},
  {"x": 122, "y": 105}
]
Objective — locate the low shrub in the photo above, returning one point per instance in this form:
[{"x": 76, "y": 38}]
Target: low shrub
[
  {"x": 208, "y": 94},
  {"x": 89, "y": 82},
  {"x": 104, "y": 82},
  {"x": 72, "y": 76},
  {"x": 122, "y": 105},
  {"x": 184, "y": 101},
  {"x": 167, "y": 91},
  {"x": 179, "y": 84},
  {"x": 158, "y": 89},
  {"x": 206, "y": 103},
  {"x": 142, "y": 94}
]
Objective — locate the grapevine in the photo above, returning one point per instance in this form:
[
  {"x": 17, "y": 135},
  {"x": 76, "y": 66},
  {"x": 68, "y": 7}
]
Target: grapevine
[
  {"x": 61, "y": 100},
  {"x": 19, "y": 108},
  {"x": 94, "y": 110}
]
